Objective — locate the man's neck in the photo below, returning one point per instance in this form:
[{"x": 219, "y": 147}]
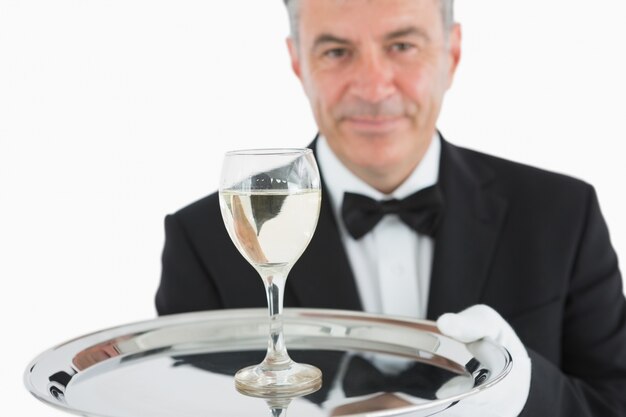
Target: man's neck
[
  {"x": 388, "y": 179},
  {"x": 383, "y": 181}
]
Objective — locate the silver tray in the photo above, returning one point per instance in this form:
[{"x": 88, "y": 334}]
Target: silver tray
[{"x": 182, "y": 366}]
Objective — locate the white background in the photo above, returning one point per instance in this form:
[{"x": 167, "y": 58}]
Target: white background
[{"x": 115, "y": 113}]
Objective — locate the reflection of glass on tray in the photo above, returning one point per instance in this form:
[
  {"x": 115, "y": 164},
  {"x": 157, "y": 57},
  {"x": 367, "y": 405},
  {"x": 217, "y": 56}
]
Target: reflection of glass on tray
[{"x": 184, "y": 365}]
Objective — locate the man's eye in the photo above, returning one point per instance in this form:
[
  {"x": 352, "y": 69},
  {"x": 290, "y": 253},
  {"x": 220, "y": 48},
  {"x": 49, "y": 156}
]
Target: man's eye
[
  {"x": 336, "y": 53},
  {"x": 402, "y": 47}
]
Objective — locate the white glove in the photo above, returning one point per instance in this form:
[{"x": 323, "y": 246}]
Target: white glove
[{"x": 508, "y": 397}]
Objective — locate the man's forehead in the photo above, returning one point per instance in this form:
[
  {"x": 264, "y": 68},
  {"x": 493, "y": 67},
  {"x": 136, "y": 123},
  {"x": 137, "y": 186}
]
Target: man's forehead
[
  {"x": 367, "y": 9},
  {"x": 375, "y": 18},
  {"x": 356, "y": 4}
]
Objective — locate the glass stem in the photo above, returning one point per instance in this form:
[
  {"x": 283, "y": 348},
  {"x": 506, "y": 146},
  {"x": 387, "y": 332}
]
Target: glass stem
[
  {"x": 278, "y": 406},
  {"x": 278, "y": 411},
  {"x": 277, "y": 356}
]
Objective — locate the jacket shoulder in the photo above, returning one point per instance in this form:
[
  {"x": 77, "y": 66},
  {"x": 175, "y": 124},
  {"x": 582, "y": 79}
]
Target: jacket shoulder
[
  {"x": 512, "y": 178},
  {"x": 202, "y": 221},
  {"x": 199, "y": 208}
]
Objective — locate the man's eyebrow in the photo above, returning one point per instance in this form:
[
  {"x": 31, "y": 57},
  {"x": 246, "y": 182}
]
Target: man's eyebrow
[
  {"x": 328, "y": 38},
  {"x": 408, "y": 31}
]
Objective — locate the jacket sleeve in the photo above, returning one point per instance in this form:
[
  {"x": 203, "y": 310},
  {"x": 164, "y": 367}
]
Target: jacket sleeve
[
  {"x": 185, "y": 283},
  {"x": 591, "y": 380}
]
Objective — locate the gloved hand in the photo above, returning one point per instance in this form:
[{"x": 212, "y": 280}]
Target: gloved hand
[{"x": 508, "y": 397}]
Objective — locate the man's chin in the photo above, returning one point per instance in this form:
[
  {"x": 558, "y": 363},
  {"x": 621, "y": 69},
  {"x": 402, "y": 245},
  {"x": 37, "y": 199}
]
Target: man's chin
[
  {"x": 378, "y": 160},
  {"x": 369, "y": 151}
]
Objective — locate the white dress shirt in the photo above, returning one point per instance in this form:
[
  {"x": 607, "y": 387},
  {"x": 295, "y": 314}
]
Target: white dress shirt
[{"x": 391, "y": 263}]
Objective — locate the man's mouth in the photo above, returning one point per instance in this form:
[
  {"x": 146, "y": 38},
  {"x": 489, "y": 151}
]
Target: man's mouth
[{"x": 374, "y": 125}]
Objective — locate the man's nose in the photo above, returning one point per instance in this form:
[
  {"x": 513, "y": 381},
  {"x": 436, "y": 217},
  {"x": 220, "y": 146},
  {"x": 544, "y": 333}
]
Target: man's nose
[{"x": 373, "y": 77}]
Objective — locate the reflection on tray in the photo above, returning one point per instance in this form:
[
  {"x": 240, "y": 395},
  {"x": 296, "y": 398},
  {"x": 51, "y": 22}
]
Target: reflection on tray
[
  {"x": 349, "y": 375},
  {"x": 183, "y": 365}
]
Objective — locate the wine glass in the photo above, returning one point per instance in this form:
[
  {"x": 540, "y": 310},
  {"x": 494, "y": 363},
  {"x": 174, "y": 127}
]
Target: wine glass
[{"x": 270, "y": 202}]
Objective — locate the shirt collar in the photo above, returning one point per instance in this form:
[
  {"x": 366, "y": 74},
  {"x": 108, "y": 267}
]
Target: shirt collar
[{"x": 339, "y": 179}]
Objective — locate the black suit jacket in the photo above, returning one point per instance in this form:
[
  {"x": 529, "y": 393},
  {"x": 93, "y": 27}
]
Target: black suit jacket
[{"x": 531, "y": 244}]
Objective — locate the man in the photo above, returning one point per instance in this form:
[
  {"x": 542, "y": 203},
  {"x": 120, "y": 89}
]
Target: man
[{"x": 531, "y": 245}]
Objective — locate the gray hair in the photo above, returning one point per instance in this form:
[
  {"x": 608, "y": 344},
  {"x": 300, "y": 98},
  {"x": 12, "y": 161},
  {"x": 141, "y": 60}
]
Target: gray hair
[{"x": 447, "y": 14}]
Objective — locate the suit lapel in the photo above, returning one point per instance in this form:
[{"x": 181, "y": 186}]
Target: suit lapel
[
  {"x": 467, "y": 238},
  {"x": 322, "y": 277},
  {"x": 464, "y": 247}
]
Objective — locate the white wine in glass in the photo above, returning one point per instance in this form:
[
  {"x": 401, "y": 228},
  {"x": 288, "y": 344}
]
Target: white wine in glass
[{"x": 270, "y": 202}]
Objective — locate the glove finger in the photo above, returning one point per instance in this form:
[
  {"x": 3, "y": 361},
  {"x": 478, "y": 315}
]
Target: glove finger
[
  {"x": 472, "y": 324},
  {"x": 457, "y": 327}
]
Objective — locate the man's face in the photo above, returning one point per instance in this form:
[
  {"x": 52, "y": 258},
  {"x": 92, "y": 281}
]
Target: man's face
[{"x": 375, "y": 73}]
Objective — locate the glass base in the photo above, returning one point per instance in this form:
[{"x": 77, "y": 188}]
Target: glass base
[{"x": 293, "y": 380}]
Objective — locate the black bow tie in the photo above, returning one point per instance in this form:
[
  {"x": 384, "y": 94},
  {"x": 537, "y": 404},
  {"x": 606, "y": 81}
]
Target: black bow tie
[
  {"x": 421, "y": 211},
  {"x": 419, "y": 380}
]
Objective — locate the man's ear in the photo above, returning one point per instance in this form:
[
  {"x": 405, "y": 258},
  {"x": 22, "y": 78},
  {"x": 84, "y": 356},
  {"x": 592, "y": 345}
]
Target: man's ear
[
  {"x": 454, "y": 51},
  {"x": 295, "y": 58}
]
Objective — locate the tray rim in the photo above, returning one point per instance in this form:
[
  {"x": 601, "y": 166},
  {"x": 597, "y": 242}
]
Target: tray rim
[{"x": 309, "y": 313}]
